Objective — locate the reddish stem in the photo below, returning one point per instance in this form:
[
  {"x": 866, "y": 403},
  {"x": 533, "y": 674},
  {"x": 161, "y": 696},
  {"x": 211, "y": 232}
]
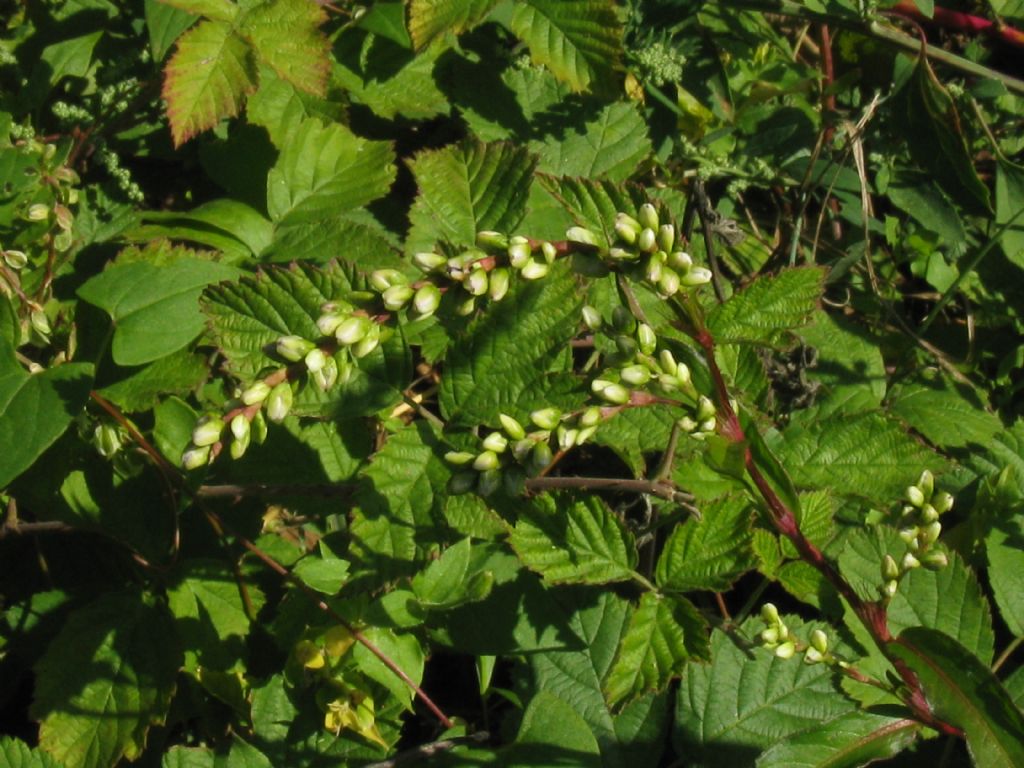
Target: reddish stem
[{"x": 955, "y": 21}]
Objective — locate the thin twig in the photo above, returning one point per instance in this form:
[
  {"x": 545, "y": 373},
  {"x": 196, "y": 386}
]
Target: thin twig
[
  {"x": 704, "y": 213},
  {"x": 260, "y": 490},
  {"x": 653, "y": 487},
  {"x": 430, "y": 750}
]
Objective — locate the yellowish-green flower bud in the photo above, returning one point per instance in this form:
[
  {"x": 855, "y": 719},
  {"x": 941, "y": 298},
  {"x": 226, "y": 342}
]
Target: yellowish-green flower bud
[
  {"x": 499, "y": 283},
  {"x": 38, "y": 212},
  {"x": 541, "y": 455},
  {"x": 519, "y": 252},
  {"x": 488, "y": 239},
  {"x": 512, "y": 427},
  {"x": 637, "y": 375},
  {"x": 592, "y": 318},
  {"x": 486, "y": 460},
  {"x": 646, "y": 338},
  {"x": 396, "y": 297},
  {"x": 549, "y": 251},
  {"x": 890, "y": 569},
  {"x": 909, "y": 562},
  {"x": 207, "y": 431},
  {"x": 786, "y": 650},
  {"x": 819, "y": 641},
  {"x": 666, "y": 237},
  {"x": 382, "y": 279},
  {"x": 459, "y": 458},
  {"x": 535, "y": 270},
  {"x": 546, "y": 418},
  {"x": 615, "y": 394},
  {"x": 368, "y": 343},
  {"x": 648, "y": 216},
  {"x": 591, "y": 417},
  {"x": 315, "y": 359},
  {"x": 770, "y": 614},
  {"x": 935, "y": 561},
  {"x": 627, "y": 228},
  {"x": 195, "y": 457},
  {"x": 477, "y": 282},
  {"x": 770, "y": 636},
  {"x": 353, "y": 330},
  {"x": 293, "y": 348},
  {"x": 279, "y": 402},
  {"x": 328, "y": 323},
  {"x": 427, "y": 299},
  {"x": 495, "y": 442},
  {"x": 429, "y": 261},
  {"x": 668, "y": 283},
  {"x": 914, "y": 496},
  {"x": 680, "y": 261},
  {"x": 581, "y": 236},
  {"x": 943, "y": 502},
  {"x": 927, "y": 484},
  {"x": 696, "y": 276},
  {"x": 15, "y": 259},
  {"x": 647, "y": 240}
]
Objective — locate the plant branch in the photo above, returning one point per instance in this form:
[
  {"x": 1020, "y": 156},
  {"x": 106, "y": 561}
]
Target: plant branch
[
  {"x": 220, "y": 527},
  {"x": 430, "y": 750},
  {"x": 653, "y": 487}
]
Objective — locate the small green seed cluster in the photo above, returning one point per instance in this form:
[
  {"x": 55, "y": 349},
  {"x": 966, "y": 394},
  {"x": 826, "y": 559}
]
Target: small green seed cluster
[
  {"x": 659, "y": 63},
  {"x": 920, "y": 531},
  {"x": 777, "y": 637},
  {"x": 507, "y": 456},
  {"x": 111, "y": 161},
  {"x": 649, "y": 246},
  {"x": 639, "y": 364}
]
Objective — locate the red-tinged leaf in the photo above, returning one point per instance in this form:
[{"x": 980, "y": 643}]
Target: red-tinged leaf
[
  {"x": 219, "y": 10},
  {"x": 207, "y": 79},
  {"x": 284, "y": 35}
]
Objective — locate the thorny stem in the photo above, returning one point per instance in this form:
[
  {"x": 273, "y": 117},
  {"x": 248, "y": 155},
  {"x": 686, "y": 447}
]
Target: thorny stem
[{"x": 872, "y": 615}]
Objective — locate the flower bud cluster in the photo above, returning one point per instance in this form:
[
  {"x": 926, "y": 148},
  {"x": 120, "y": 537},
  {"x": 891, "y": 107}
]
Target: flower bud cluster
[
  {"x": 650, "y": 247},
  {"x": 507, "y": 456},
  {"x": 777, "y": 637},
  {"x": 919, "y": 529},
  {"x": 640, "y": 365}
]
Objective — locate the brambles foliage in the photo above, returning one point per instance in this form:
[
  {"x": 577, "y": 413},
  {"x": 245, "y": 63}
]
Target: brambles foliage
[{"x": 492, "y": 383}]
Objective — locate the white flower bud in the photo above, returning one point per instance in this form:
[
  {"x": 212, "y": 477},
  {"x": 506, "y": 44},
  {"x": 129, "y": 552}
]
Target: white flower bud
[
  {"x": 943, "y": 502},
  {"x": 770, "y": 614},
  {"x": 819, "y": 641},
  {"x": 486, "y": 460},
  {"x": 368, "y": 343},
  {"x": 477, "y": 282},
  {"x": 680, "y": 261},
  {"x": 207, "y": 431},
  {"x": 499, "y": 283},
  {"x": 352, "y": 330},
  {"x": 495, "y": 442},
  {"x": 890, "y": 570},
  {"x": 647, "y": 240},
  {"x": 549, "y": 251},
  {"x": 591, "y": 417},
  {"x": 427, "y": 299},
  {"x": 279, "y": 402},
  {"x": 315, "y": 360},
  {"x": 328, "y": 323},
  {"x": 429, "y": 261},
  {"x": 397, "y": 296},
  {"x": 615, "y": 393},
  {"x": 293, "y": 348},
  {"x": 535, "y": 270},
  {"x": 627, "y": 228},
  {"x": 668, "y": 283},
  {"x": 637, "y": 375},
  {"x": 546, "y": 418},
  {"x": 382, "y": 279},
  {"x": 592, "y": 318},
  {"x": 519, "y": 252},
  {"x": 490, "y": 239},
  {"x": 786, "y": 650},
  {"x": 512, "y": 427},
  {"x": 696, "y": 276},
  {"x": 38, "y": 212},
  {"x": 195, "y": 457}
]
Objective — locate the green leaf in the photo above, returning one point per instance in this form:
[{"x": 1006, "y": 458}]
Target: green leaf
[
  {"x": 768, "y": 307},
  {"x": 581, "y": 42},
  {"x": 284, "y": 35},
  {"x": 400, "y": 502},
  {"x": 104, "y": 680},
  {"x": 935, "y": 139},
  {"x": 849, "y": 359},
  {"x": 165, "y": 24},
  {"x": 403, "y": 650},
  {"x": 155, "y": 309},
  {"x": 664, "y": 634},
  {"x": 207, "y": 79},
  {"x": 522, "y": 616},
  {"x": 15, "y": 753},
  {"x": 553, "y": 733},
  {"x": 710, "y": 553},
  {"x": 511, "y": 351},
  {"x": 848, "y": 741},
  {"x": 962, "y": 690},
  {"x": 594, "y": 203},
  {"x": 635, "y": 431},
  {"x": 176, "y": 374},
  {"x": 862, "y": 454},
  {"x": 212, "y": 618},
  {"x": 325, "y": 573},
  {"x": 631, "y": 737},
  {"x": 467, "y": 188},
  {"x": 282, "y": 109},
  {"x": 326, "y": 169},
  {"x": 1009, "y": 204},
  {"x": 860, "y": 560},
  {"x": 949, "y": 600},
  {"x": 443, "y": 581},
  {"x": 948, "y": 416},
  {"x": 248, "y": 315},
  {"x": 574, "y": 540},
  {"x": 67, "y": 58},
  {"x": 747, "y": 700},
  {"x": 188, "y": 757},
  {"x": 430, "y": 19},
  {"x": 1005, "y": 557},
  {"x": 612, "y": 145},
  {"x": 35, "y": 409},
  {"x": 220, "y": 10}
]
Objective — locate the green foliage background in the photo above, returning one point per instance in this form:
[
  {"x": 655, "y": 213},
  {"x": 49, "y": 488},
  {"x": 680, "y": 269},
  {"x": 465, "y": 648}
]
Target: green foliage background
[{"x": 183, "y": 183}]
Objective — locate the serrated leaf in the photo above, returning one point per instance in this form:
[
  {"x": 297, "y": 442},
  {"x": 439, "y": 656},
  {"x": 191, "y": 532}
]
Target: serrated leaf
[
  {"x": 860, "y": 560},
  {"x": 710, "y": 553},
  {"x": 207, "y": 79},
  {"x": 628, "y": 738},
  {"x": 176, "y": 374},
  {"x": 946, "y": 416},
  {"x": 444, "y": 579},
  {"x": 949, "y": 600},
  {"x": 610, "y": 145},
  {"x": 404, "y": 650},
  {"x": 635, "y": 431},
  {"x": 849, "y": 359},
  {"x": 430, "y": 19},
  {"x": 104, "y": 680},
  {"x": 249, "y": 314},
  {"x": 747, "y": 700},
  {"x": 1005, "y": 558},
  {"x": 400, "y": 501},
  {"x": 221, "y": 10},
  {"x": 594, "y": 203},
  {"x": 862, "y": 454},
  {"x": 155, "y": 309},
  {"x": 768, "y": 307},
  {"x": 465, "y": 189},
  {"x": 15, "y": 753},
  {"x": 815, "y": 518},
  {"x": 848, "y": 741},
  {"x": 511, "y": 350},
  {"x": 962, "y": 690},
  {"x": 281, "y": 108},
  {"x": 165, "y": 24},
  {"x": 664, "y": 634},
  {"x": 35, "y": 409},
  {"x": 580, "y": 42},
  {"x": 574, "y": 540},
  {"x": 324, "y": 170},
  {"x": 284, "y": 35},
  {"x": 551, "y": 724},
  {"x": 188, "y": 757},
  {"x": 1009, "y": 204}
]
